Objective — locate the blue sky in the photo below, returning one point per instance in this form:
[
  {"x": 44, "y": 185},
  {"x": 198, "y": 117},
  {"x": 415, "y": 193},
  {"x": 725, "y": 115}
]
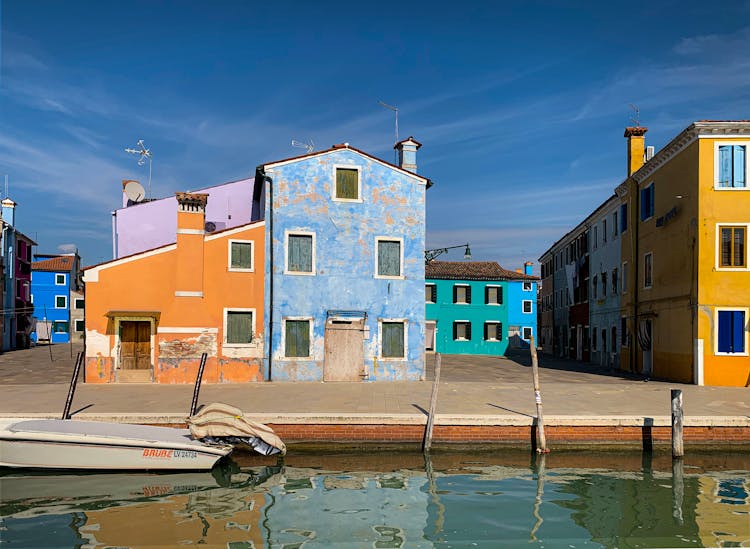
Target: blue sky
[{"x": 520, "y": 106}]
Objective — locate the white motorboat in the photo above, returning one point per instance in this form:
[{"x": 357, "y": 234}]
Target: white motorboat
[{"x": 72, "y": 444}]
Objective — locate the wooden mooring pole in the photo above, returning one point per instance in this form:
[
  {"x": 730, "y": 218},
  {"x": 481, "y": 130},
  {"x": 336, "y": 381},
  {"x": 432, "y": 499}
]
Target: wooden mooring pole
[
  {"x": 72, "y": 388},
  {"x": 677, "y": 449},
  {"x": 542, "y": 439},
  {"x": 427, "y": 442},
  {"x": 197, "y": 389}
]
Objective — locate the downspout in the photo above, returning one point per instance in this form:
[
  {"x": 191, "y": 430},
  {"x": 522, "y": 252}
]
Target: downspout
[
  {"x": 114, "y": 234},
  {"x": 635, "y": 276},
  {"x": 270, "y": 262}
]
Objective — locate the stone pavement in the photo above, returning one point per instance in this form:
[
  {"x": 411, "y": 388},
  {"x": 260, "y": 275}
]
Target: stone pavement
[{"x": 472, "y": 391}]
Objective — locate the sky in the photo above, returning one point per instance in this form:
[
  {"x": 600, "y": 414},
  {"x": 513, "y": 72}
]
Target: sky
[{"x": 520, "y": 106}]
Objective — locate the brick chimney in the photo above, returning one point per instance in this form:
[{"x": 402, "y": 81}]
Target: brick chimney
[
  {"x": 636, "y": 147},
  {"x": 407, "y": 154},
  {"x": 191, "y": 219}
]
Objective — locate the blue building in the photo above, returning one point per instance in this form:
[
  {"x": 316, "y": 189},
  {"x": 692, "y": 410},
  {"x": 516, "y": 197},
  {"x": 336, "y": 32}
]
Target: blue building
[
  {"x": 55, "y": 282},
  {"x": 478, "y": 308},
  {"x": 345, "y": 235}
]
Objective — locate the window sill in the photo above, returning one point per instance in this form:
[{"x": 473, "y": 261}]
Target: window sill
[
  {"x": 393, "y": 358},
  {"x": 292, "y": 358},
  {"x": 732, "y": 269},
  {"x": 350, "y": 200},
  {"x": 731, "y": 354},
  {"x": 391, "y": 277},
  {"x": 300, "y": 273},
  {"x": 717, "y": 188},
  {"x": 239, "y": 270}
]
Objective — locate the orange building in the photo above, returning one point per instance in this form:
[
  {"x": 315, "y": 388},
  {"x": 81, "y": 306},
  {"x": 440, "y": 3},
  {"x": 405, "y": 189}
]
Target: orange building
[{"x": 150, "y": 316}]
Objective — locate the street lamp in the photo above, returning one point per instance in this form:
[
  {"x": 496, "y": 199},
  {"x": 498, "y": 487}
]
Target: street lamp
[{"x": 429, "y": 255}]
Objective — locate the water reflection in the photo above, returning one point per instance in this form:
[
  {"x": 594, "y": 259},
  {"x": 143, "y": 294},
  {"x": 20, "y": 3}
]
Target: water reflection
[{"x": 392, "y": 500}]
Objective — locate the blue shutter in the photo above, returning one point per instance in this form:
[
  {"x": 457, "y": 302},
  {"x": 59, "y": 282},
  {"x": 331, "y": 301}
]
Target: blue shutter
[
  {"x": 738, "y": 331},
  {"x": 623, "y": 218},
  {"x": 725, "y": 166},
  {"x": 725, "y": 331},
  {"x": 739, "y": 166}
]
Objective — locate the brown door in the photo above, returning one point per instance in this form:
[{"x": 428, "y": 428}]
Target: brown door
[
  {"x": 135, "y": 350},
  {"x": 345, "y": 350}
]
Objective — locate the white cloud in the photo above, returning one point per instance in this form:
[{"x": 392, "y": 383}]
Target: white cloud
[{"x": 67, "y": 248}]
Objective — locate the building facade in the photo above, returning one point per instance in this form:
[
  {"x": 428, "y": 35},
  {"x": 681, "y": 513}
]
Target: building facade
[
  {"x": 55, "y": 280},
  {"x": 345, "y": 269},
  {"x": 150, "y": 316}
]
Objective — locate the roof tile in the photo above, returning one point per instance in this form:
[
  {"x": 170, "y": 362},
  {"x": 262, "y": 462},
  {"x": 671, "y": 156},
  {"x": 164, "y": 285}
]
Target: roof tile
[{"x": 472, "y": 270}]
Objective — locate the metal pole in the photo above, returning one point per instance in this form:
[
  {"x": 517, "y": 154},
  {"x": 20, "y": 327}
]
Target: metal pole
[
  {"x": 542, "y": 447},
  {"x": 72, "y": 389},
  {"x": 197, "y": 388},
  {"x": 427, "y": 443},
  {"x": 677, "y": 450}
]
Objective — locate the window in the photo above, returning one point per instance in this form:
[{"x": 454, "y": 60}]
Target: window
[
  {"x": 731, "y": 335},
  {"x": 731, "y": 166},
  {"x": 347, "y": 184},
  {"x": 593, "y": 339},
  {"x": 527, "y": 287},
  {"x": 461, "y": 293},
  {"x": 240, "y": 255},
  {"x": 624, "y": 284},
  {"x": 61, "y": 302},
  {"x": 604, "y": 230},
  {"x": 300, "y": 253},
  {"x": 526, "y": 334},
  {"x": 594, "y": 286},
  {"x": 614, "y": 224},
  {"x": 389, "y": 259},
  {"x": 297, "y": 338},
  {"x": 59, "y": 279},
  {"x": 613, "y": 338},
  {"x": 623, "y": 217},
  {"x": 78, "y": 303},
  {"x": 60, "y": 327},
  {"x": 732, "y": 246},
  {"x": 430, "y": 293},
  {"x": 493, "y": 331},
  {"x": 462, "y": 330},
  {"x": 238, "y": 326},
  {"x": 648, "y": 270},
  {"x": 80, "y": 325},
  {"x": 392, "y": 339},
  {"x": 527, "y": 305},
  {"x": 604, "y": 340},
  {"x": 623, "y": 331},
  {"x": 493, "y": 295},
  {"x": 596, "y": 236},
  {"x": 604, "y": 284},
  {"x": 615, "y": 277},
  {"x": 647, "y": 202}
]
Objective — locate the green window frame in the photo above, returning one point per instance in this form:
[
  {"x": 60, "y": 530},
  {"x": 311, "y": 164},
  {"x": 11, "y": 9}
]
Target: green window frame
[
  {"x": 389, "y": 257},
  {"x": 347, "y": 184},
  {"x": 297, "y": 338},
  {"x": 392, "y": 339},
  {"x": 300, "y": 253},
  {"x": 240, "y": 255},
  {"x": 239, "y": 327}
]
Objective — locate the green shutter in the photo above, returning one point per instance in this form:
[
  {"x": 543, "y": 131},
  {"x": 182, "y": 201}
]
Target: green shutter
[
  {"x": 239, "y": 327},
  {"x": 297, "y": 338},
  {"x": 300, "y": 253},
  {"x": 393, "y": 339},
  {"x": 389, "y": 258},
  {"x": 242, "y": 255},
  {"x": 347, "y": 183}
]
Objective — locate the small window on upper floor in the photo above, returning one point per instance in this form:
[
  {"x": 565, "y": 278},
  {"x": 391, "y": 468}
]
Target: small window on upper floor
[
  {"x": 461, "y": 293},
  {"x": 61, "y": 302},
  {"x": 493, "y": 295},
  {"x": 731, "y": 166},
  {"x": 240, "y": 255},
  {"x": 347, "y": 184},
  {"x": 647, "y": 202},
  {"x": 604, "y": 231},
  {"x": 526, "y": 333},
  {"x": 733, "y": 247},
  {"x": 390, "y": 258},
  {"x": 623, "y": 218},
  {"x": 648, "y": 270},
  {"x": 430, "y": 293},
  {"x": 59, "y": 279},
  {"x": 615, "y": 227},
  {"x": 527, "y": 306},
  {"x": 78, "y": 303},
  {"x": 300, "y": 253}
]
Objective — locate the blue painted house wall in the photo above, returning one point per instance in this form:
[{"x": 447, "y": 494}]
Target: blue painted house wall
[
  {"x": 46, "y": 291},
  {"x": 517, "y": 295},
  {"x": 297, "y": 196}
]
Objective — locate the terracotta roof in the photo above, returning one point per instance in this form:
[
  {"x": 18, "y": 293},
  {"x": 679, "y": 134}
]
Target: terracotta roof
[
  {"x": 56, "y": 264},
  {"x": 472, "y": 270}
]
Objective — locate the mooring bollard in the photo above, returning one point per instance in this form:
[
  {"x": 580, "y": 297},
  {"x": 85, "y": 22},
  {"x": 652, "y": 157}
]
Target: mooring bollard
[
  {"x": 427, "y": 442},
  {"x": 542, "y": 448},
  {"x": 677, "y": 450}
]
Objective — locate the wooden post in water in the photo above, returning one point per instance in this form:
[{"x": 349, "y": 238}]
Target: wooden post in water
[
  {"x": 542, "y": 446},
  {"x": 427, "y": 442},
  {"x": 197, "y": 388},
  {"x": 72, "y": 389},
  {"x": 677, "y": 450}
]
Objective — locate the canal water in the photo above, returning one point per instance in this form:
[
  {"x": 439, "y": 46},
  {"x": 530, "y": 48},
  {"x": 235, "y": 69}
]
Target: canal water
[{"x": 387, "y": 499}]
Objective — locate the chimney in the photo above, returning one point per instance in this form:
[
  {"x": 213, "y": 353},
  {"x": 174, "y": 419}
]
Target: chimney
[
  {"x": 9, "y": 212},
  {"x": 407, "y": 154},
  {"x": 191, "y": 219},
  {"x": 527, "y": 268},
  {"x": 636, "y": 147}
]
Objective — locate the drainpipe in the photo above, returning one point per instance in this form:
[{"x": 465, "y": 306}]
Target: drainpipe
[
  {"x": 114, "y": 234},
  {"x": 270, "y": 262},
  {"x": 635, "y": 276}
]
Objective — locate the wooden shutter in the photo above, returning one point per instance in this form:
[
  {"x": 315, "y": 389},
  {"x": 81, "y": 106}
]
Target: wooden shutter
[
  {"x": 499, "y": 331},
  {"x": 347, "y": 183},
  {"x": 434, "y": 293},
  {"x": 468, "y": 295},
  {"x": 300, "y": 253},
  {"x": 297, "y": 338},
  {"x": 393, "y": 339},
  {"x": 241, "y": 255},
  {"x": 455, "y": 300},
  {"x": 239, "y": 327},
  {"x": 455, "y": 327},
  {"x": 468, "y": 330},
  {"x": 389, "y": 258},
  {"x": 487, "y": 296}
]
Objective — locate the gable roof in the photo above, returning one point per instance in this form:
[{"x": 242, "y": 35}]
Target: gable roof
[
  {"x": 472, "y": 270},
  {"x": 55, "y": 264}
]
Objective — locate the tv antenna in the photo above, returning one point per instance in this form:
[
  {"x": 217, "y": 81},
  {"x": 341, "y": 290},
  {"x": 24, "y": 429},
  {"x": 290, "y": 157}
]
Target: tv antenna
[
  {"x": 395, "y": 110},
  {"x": 636, "y": 118},
  {"x": 144, "y": 154},
  {"x": 309, "y": 147}
]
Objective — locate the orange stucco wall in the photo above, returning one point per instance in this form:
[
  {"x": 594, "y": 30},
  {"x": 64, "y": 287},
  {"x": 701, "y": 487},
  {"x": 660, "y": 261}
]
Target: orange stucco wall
[{"x": 143, "y": 287}]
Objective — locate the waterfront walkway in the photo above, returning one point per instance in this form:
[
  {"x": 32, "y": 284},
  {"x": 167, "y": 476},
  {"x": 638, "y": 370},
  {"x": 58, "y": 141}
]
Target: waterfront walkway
[{"x": 480, "y": 399}]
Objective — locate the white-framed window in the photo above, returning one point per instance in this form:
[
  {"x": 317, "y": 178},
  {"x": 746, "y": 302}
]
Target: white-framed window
[
  {"x": 730, "y": 165},
  {"x": 647, "y": 202},
  {"x": 731, "y": 246},
  {"x": 79, "y": 303},
  {"x": 615, "y": 227},
  {"x": 59, "y": 279},
  {"x": 596, "y": 237},
  {"x": 300, "y": 253},
  {"x": 493, "y": 331},
  {"x": 393, "y": 338},
  {"x": 527, "y": 286},
  {"x": 239, "y": 327},
  {"x": 60, "y": 326},
  {"x": 240, "y": 255},
  {"x": 430, "y": 293},
  {"x": 731, "y": 336},
  {"x": 648, "y": 270},
  {"x": 624, "y": 274},
  {"x": 347, "y": 183},
  {"x": 61, "y": 302},
  {"x": 527, "y": 306},
  {"x": 604, "y": 284},
  {"x": 604, "y": 231},
  {"x": 297, "y": 335},
  {"x": 526, "y": 333},
  {"x": 389, "y": 257},
  {"x": 461, "y": 330},
  {"x": 461, "y": 293},
  {"x": 493, "y": 295},
  {"x": 80, "y": 325}
]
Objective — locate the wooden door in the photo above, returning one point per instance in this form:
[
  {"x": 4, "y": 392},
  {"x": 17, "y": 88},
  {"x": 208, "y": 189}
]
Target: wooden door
[
  {"x": 344, "y": 350},
  {"x": 135, "y": 345}
]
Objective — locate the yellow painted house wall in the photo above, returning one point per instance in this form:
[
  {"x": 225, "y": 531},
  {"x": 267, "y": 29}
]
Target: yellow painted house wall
[{"x": 720, "y": 287}]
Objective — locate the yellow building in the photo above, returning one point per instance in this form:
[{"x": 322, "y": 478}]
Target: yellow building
[{"x": 685, "y": 218}]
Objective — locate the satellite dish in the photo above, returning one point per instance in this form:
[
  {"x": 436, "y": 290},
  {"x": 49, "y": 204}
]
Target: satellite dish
[
  {"x": 134, "y": 191},
  {"x": 210, "y": 226}
]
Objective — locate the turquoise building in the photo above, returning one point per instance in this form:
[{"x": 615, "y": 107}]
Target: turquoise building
[{"x": 478, "y": 308}]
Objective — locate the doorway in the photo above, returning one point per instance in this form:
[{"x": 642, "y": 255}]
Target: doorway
[
  {"x": 429, "y": 335},
  {"x": 135, "y": 351},
  {"x": 646, "y": 341},
  {"x": 344, "y": 350}
]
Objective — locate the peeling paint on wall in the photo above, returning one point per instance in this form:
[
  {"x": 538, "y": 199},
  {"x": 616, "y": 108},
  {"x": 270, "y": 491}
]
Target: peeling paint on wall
[{"x": 185, "y": 347}]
